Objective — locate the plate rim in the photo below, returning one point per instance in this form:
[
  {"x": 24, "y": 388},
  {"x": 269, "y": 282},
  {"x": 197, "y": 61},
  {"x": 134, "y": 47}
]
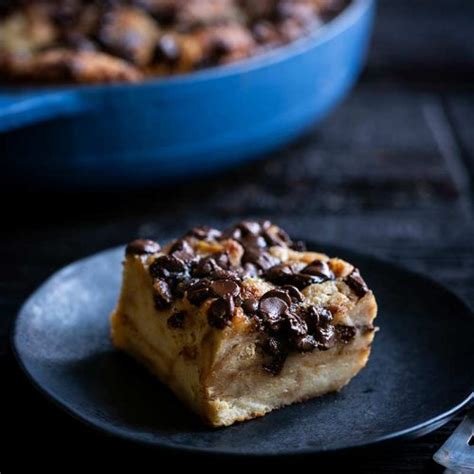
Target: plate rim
[{"x": 412, "y": 432}]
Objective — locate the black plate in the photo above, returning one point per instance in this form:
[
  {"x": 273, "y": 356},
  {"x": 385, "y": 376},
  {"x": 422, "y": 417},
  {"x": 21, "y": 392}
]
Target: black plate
[{"x": 419, "y": 374}]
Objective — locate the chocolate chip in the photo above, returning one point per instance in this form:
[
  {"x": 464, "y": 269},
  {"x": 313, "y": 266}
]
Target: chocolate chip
[
  {"x": 295, "y": 294},
  {"x": 284, "y": 274},
  {"x": 243, "y": 229},
  {"x": 325, "y": 316},
  {"x": 184, "y": 256},
  {"x": 259, "y": 258},
  {"x": 220, "y": 312},
  {"x": 222, "y": 260},
  {"x": 320, "y": 270},
  {"x": 176, "y": 320},
  {"x": 221, "y": 274},
  {"x": 162, "y": 294},
  {"x": 279, "y": 274},
  {"x": 272, "y": 310},
  {"x": 167, "y": 50},
  {"x": 296, "y": 325},
  {"x": 277, "y": 237},
  {"x": 181, "y": 245},
  {"x": 300, "y": 280},
  {"x": 214, "y": 267},
  {"x": 283, "y": 295},
  {"x": 356, "y": 283},
  {"x": 204, "y": 233},
  {"x": 272, "y": 346},
  {"x": 249, "y": 270},
  {"x": 225, "y": 287},
  {"x": 325, "y": 337},
  {"x": 305, "y": 343},
  {"x": 250, "y": 305},
  {"x": 316, "y": 316},
  {"x": 299, "y": 246},
  {"x": 278, "y": 353},
  {"x": 250, "y": 227},
  {"x": 166, "y": 265},
  {"x": 142, "y": 247},
  {"x": 311, "y": 316},
  {"x": 209, "y": 267},
  {"x": 179, "y": 287},
  {"x": 199, "y": 292},
  {"x": 345, "y": 333},
  {"x": 204, "y": 267}
]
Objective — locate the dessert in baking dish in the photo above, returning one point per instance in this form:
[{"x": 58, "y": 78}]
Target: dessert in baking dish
[
  {"x": 90, "y": 41},
  {"x": 241, "y": 322}
]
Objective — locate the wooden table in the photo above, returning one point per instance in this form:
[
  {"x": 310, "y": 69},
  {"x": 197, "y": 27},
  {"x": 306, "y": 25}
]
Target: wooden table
[{"x": 390, "y": 173}]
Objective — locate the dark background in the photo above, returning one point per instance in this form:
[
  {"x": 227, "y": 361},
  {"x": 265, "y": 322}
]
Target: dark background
[{"x": 389, "y": 173}]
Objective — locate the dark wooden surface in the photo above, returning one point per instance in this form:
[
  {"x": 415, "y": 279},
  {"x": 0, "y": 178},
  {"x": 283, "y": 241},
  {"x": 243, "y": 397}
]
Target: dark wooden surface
[{"x": 390, "y": 173}]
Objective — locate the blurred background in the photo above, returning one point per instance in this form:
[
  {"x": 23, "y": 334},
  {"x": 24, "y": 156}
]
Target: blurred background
[{"x": 389, "y": 172}]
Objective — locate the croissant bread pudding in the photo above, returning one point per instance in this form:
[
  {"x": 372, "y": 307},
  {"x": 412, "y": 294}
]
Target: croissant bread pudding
[
  {"x": 94, "y": 41},
  {"x": 240, "y": 322}
]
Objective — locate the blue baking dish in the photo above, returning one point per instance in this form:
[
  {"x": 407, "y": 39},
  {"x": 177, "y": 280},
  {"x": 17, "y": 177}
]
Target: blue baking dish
[{"x": 165, "y": 128}]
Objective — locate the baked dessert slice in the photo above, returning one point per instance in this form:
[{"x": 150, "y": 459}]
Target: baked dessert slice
[{"x": 241, "y": 322}]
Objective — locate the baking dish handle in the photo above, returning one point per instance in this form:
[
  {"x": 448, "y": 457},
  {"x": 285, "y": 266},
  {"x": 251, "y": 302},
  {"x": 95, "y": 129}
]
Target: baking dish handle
[{"x": 18, "y": 110}]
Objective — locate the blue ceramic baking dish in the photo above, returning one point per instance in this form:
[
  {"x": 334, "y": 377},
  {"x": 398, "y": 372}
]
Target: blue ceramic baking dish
[{"x": 161, "y": 129}]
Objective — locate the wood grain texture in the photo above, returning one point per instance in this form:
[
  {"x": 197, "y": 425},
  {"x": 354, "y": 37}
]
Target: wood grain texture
[{"x": 390, "y": 173}]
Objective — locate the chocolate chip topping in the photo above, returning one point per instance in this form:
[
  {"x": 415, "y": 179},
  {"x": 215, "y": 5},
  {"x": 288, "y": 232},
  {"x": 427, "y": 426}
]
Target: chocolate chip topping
[
  {"x": 285, "y": 274},
  {"x": 142, "y": 247},
  {"x": 284, "y": 321},
  {"x": 272, "y": 310},
  {"x": 278, "y": 352},
  {"x": 306, "y": 343},
  {"x": 225, "y": 287},
  {"x": 220, "y": 312},
  {"x": 162, "y": 295},
  {"x": 320, "y": 270},
  {"x": 356, "y": 283},
  {"x": 167, "y": 265},
  {"x": 204, "y": 233},
  {"x": 345, "y": 333},
  {"x": 250, "y": 305},
  {"x": 182, "y": 250},
  {"x": 261, "y": 259},
  {"x": 215, "y": 267},
  {"x": 293, "y": 292},
  {"x": 282, "y": 294},
  {"x": 199, "y": 292},
  {"x": 325, "y": 337}
]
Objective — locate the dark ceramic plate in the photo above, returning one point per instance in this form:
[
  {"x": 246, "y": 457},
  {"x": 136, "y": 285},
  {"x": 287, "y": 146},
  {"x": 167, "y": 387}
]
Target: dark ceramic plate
[{"x": 420, "y": 372}]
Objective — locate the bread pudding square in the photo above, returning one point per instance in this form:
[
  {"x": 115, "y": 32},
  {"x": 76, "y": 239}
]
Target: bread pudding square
[{"x": 241, "y": 322}]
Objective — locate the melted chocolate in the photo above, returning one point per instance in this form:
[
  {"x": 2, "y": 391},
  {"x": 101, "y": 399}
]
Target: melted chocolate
[
  {"x": 356, "y": 283},
  {"x": 142, "y": 247},
  {"x": 220, "y": 312},
  {"x": 162, "y": 295}
]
